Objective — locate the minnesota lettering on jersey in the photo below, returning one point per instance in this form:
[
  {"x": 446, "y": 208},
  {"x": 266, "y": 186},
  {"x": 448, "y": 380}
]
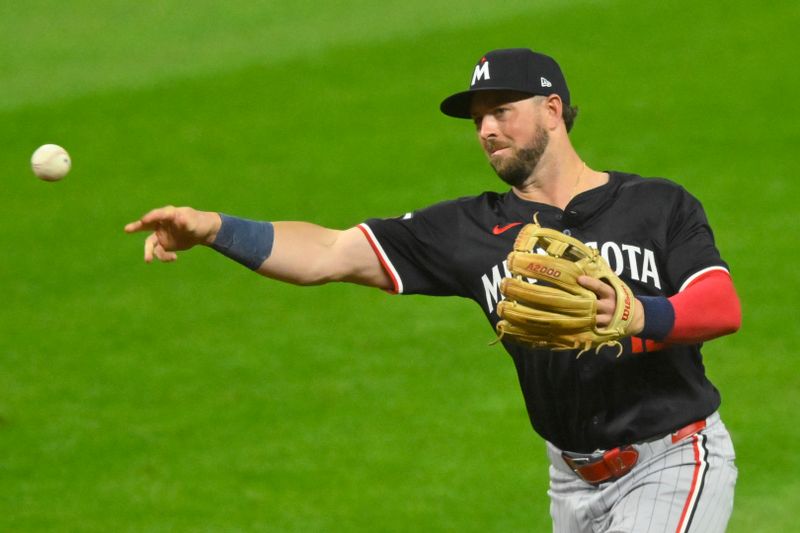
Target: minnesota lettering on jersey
[{"x": 640, "y": 263}]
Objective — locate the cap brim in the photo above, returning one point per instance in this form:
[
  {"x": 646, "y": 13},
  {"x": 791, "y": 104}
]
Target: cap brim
[{"x": 458, "y": 105}]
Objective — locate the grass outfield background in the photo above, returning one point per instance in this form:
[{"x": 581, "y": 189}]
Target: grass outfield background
[{"x": 196, "y": 396}]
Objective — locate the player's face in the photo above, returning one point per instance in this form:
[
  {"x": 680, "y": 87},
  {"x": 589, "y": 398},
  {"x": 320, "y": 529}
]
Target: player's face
[{"x": 511, "y": 133}]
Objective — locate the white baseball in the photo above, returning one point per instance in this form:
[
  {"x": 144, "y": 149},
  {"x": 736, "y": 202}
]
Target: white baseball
[{"x": 50, "y": 162}]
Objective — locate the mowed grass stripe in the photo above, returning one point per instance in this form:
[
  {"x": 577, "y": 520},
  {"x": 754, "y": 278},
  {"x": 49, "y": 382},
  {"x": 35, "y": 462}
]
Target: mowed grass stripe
[{"x": 52, "y": 51}]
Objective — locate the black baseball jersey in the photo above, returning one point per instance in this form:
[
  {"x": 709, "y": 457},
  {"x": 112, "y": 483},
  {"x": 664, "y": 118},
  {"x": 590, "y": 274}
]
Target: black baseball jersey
[{"x": 655, "y": 236}]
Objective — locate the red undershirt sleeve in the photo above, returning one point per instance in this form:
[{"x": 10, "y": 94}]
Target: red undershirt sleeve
[{"x": 705, "y": 309}]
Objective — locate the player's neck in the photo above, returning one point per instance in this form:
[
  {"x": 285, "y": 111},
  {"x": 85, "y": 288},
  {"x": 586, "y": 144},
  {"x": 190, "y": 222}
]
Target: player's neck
[{"x": 557, "y": 180}]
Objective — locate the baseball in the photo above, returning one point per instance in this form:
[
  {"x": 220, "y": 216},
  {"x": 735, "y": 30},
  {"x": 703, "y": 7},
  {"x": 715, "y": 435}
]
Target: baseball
[{"x": 50, "y": 162}]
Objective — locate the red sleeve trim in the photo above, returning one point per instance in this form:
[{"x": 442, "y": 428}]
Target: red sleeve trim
[
  {"x": 383, "y": 258},
  {"x": 706, "y": 308},
  {"x": 700, "y": 273}
]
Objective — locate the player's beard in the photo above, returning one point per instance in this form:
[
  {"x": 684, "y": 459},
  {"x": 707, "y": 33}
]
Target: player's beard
[{"x": 516, "y": 168}]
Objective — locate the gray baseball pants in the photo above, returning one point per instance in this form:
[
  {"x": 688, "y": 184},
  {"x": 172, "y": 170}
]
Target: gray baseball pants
[{"x": 679, "y": 487}]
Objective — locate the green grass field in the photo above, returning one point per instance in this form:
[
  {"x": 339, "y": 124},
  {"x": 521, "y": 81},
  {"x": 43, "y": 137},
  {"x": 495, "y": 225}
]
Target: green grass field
[{"x": 199, "y": 397}]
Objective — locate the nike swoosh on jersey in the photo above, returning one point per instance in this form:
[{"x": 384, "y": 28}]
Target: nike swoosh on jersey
[{"x": 497, "y": 230}]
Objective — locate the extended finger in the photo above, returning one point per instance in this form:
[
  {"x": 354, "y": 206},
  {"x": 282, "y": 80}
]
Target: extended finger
[
  {"x": 151, "y": 219},
  {"x": 136, "y": 225}
]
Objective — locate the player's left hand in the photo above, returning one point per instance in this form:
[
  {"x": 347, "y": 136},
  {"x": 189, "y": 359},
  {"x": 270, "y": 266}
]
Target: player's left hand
[{"x": 607, "y": 304}]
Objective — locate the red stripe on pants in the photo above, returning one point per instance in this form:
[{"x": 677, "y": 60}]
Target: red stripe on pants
[{"x": 698, "y": 465}]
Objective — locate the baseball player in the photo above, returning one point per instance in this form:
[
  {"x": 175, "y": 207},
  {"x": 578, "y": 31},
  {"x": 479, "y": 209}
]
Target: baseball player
[{"x": 632, "y": 431}]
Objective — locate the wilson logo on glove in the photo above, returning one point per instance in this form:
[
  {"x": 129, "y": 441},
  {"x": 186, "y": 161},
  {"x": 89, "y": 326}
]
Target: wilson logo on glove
[{"x": 627, "y": 310}]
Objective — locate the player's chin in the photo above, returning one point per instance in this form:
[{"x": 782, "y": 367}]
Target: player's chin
[
  {"x": 498, "y": 161},
  {"x": 511, "y": 172},
  {"x": 501, "y": 162}
]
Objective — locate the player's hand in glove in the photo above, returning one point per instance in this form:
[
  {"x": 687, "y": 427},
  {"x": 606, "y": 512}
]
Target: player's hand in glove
[
  {"x": 175, "y": 229},
  {"x": 567, "y": 298}
]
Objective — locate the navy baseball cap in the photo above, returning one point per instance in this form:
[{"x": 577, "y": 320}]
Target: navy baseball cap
[{"x": 510, "y": 69}]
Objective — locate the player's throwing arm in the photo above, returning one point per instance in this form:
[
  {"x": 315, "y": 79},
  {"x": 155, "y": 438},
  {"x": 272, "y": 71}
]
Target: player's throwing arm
[{"x": 295, "y": 252}]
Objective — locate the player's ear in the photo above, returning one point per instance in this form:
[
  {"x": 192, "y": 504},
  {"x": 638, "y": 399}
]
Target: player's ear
[{"x": 552, "y": 107}]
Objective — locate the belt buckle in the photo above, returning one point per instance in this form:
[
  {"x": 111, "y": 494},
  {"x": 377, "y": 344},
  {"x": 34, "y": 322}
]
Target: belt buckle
[
  {"x": 582, "y": 459},
  {"x": 583, "y": 464},
  {"x": 603, "y": 466}
]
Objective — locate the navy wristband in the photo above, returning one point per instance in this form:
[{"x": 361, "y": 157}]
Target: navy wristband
[
  {"x": 247, "y": 242},
  {"x": 659, "y": 317}
]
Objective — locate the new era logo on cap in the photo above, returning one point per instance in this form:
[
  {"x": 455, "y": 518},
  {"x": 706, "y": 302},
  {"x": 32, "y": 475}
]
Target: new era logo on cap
[{"x": 512, "y": 69}]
